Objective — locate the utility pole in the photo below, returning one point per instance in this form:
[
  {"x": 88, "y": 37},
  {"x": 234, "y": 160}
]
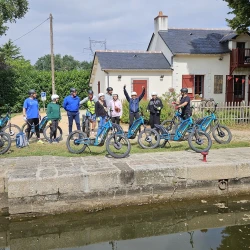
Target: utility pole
[{"x": 52, "y": 54}]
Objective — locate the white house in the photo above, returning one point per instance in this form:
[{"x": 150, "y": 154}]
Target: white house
[{"x": 209, "y": 62}]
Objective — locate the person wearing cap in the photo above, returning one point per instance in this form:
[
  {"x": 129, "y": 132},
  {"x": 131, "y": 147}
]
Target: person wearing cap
[
  {"x": 101, "y": 112},
  {"x": 54, "y": 116},
  {"x": 184, "y": 104},
  {"x": 115, "y": 106},
  {"x": 31, "y": 114},
  {"x": 71, "y": 104},
  {"x": 154, "y": 107},
  {"x": 109, "y": 95},
  {"x": 90, "y": 101},
  {"x": 134, "y": 102}
]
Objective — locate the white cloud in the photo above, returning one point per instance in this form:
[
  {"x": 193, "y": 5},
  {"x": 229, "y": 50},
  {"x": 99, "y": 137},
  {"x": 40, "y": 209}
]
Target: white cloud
[{"x": 125, "y": 24}]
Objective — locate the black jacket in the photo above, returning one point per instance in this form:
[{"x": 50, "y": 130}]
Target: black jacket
[
  {"x": 99, "y": 109},
  {"x": 154, "y": 104}
]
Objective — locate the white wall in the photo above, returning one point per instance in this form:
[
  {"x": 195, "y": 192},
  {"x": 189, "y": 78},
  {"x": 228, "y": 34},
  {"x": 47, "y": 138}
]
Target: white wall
[
  {"x": 207, "y": 65},
  {"x": 159, "y": 45},
  {"x": 153, "y": 78},
  {"x": 99, "y": 75}
]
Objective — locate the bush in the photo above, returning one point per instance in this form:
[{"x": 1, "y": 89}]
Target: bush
[
  {"x": 21, "y": 76},
  {"x": 167, "y": 112}
]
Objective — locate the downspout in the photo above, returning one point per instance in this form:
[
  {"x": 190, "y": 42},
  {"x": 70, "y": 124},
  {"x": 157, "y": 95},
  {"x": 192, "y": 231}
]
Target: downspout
[{"x": 107, "y": 77}]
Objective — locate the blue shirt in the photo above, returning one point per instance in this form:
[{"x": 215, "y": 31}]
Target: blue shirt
[
  {"x": 71, "y": 104},
  {"x": 32, "y": 108}
]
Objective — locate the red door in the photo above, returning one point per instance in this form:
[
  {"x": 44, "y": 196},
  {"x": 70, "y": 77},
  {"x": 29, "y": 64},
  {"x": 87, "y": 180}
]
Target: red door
[
  {"x": 137, "y": 87},
  {"x": 188, "y": 82},
  {"x": 230, "y": 89}
]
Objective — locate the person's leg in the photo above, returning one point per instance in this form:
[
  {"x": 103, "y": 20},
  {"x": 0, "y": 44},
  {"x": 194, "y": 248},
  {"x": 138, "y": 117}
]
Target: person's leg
[
  {"x": 29, "y": 126},
  {"x": 118, "y": 120},
  {"x": 55, "y": 128},
  {"x": 157, "y": 119},
  {"x": 36, "y": 124},
  {"x": 137, "y": 116},
  {"x": 77, "y": 120},
  {"x": 100, "y": 125},
  {"x": 151, "y": 120},
  {"x": 70, "y": 119},
  {"x": 113, "y": 119},
  {"x": 131, "y": 119},
  {"x": 52, "y": 130}
]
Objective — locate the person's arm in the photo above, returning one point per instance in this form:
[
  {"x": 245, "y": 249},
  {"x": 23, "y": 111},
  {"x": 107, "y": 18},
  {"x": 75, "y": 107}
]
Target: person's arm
[
  {"x": 148, "y": 107},
  {"x": 84, "y": 100},
  {"x": 25, "y": 106},
  {"x": 120, "y": 104},
  {"x": 126, "y": 93},
  {"x": 142, "y": 94},
  {"x": 96, "y": 109},
  {"x": 160, "y": 105},
  {"x": 65, "y": 102},
  {"x": 183, "y": 103}
]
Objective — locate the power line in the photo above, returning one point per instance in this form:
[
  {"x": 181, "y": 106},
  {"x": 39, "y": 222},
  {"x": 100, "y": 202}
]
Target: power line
[{"x": 31, "y": 30}]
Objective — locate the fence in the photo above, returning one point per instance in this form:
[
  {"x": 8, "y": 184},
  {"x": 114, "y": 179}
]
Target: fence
[{"x": 226, "y": 112}]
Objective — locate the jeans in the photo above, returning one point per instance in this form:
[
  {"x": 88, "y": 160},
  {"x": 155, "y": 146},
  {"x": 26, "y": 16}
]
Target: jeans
[
  {"x": 133, "y": 116},
  {"x": 53, "y": 129},
  {"x": 71, "y": 117},
  {"x": 30, "y": 122},
  {"x": 116, "y": 119},
  {"x": 101, "y": 124}
]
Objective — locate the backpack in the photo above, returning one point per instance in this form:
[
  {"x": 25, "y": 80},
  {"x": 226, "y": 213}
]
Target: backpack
[{"x": 21, "y": 140}]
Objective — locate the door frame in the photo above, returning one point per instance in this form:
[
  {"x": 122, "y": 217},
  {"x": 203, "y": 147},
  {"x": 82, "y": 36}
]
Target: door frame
[{"x": 143, "y": 79}]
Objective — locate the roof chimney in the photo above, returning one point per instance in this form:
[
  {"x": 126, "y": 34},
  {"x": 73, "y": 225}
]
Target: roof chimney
[{"x": 161, "y": 22}]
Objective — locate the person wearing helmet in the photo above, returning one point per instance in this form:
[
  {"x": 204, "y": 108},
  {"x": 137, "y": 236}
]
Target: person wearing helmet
[
  {"x": 31, "y": 114},
  {"x": 109, "y": 95},
  {"x": 54, "y": 115},
  {"x": 184, "y": 104},
  {"x": 116, "y": 106},
  {"x": 133, "y": 104},
  {"x": 101, "y": 112},
  {"x": 90, "y": 101},
  {"x": 71, "y": 104},
  {"x": 154, "y": 107}
]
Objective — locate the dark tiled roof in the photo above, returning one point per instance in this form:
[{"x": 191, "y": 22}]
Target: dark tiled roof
[
  {"x": 194, "y": 41},
  {"x": 132, "y": 60},
  {"x": 228, "y": 37}
]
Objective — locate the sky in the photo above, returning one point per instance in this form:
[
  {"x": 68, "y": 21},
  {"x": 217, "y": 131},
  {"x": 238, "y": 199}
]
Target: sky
[{"x": 124, "y": 24}]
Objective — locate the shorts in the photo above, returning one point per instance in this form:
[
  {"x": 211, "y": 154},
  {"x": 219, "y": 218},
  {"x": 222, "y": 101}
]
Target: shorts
[{"x": 91, "y": 116}]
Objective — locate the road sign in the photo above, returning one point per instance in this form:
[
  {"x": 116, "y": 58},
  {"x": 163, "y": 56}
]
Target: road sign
[{"x": 43, "y": 96}]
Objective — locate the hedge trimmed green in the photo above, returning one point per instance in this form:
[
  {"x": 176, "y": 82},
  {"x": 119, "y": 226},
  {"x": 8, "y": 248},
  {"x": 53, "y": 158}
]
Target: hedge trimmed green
[{"x": 20, "y": 76}]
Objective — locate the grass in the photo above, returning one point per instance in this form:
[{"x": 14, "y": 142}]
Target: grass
[{"x": 61, "y": 149}]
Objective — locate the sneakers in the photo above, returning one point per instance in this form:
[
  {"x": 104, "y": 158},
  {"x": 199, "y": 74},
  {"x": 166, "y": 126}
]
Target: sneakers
[
  {"x": 40, "y": 141},
  {"x": 55, "y": 141},
  {"x": 50, "y": 141}
]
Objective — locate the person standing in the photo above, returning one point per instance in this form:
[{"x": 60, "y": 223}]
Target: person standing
[
  {"x": 101, "y": 112},
  {"x": 54, "y": 115},
  {"x": 90, "y": 101},
  {"x": 154, "y": 107},
  {"x": 108, "y": 95},
  {"x": 31, "y": 114},
  {"x": 71, "y": 104},
  {"x": 184, "y": 104},
  {"x": 133, "y": 104},
  {"x": 116, "y": 106}
]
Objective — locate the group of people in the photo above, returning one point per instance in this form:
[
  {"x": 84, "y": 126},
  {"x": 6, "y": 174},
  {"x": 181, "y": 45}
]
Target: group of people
[{"x": 97, "y": 109}]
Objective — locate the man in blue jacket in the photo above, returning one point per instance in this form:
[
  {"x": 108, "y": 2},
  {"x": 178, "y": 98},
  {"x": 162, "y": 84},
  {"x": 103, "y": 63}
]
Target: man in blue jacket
[
  {"x": 133, "y": 104},
  {"x": 71, "y": 104}
]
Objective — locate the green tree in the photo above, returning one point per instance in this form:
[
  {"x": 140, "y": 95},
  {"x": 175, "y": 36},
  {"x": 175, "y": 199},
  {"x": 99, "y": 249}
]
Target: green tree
[
  {"x": 241, "y": 11},
  {"x": 66, "y": 62},
  {"x": 10, "y": 51},
  {"x": 10, "y": 11}
]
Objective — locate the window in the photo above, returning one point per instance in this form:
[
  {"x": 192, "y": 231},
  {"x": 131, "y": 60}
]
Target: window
[
  {"x": 199, "y": 85},
  {"x": 218, "y": 84}
]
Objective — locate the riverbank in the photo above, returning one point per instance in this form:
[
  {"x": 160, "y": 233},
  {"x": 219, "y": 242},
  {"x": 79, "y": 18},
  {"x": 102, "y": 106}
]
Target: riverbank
[{"x": 49, "y": 184}]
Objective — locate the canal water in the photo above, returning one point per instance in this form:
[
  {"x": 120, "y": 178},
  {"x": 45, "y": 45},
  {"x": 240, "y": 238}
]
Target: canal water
[{"x": 214, "y": 224}]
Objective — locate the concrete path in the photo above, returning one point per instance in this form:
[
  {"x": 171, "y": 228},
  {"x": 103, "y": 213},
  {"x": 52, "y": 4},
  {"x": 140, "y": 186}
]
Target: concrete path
[{"x": 94, "y": 178}]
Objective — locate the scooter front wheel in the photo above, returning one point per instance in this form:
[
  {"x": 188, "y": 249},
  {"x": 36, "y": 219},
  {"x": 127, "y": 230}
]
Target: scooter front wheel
[
  {"x": 118, "y": 146},
  {"x": 149, "y": 138},
  {"x": 75, "y": 142}
]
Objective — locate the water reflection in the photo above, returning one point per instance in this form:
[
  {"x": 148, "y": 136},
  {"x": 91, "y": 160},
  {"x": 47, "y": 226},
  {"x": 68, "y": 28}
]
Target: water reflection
[{"x": 212, "y": 225}]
